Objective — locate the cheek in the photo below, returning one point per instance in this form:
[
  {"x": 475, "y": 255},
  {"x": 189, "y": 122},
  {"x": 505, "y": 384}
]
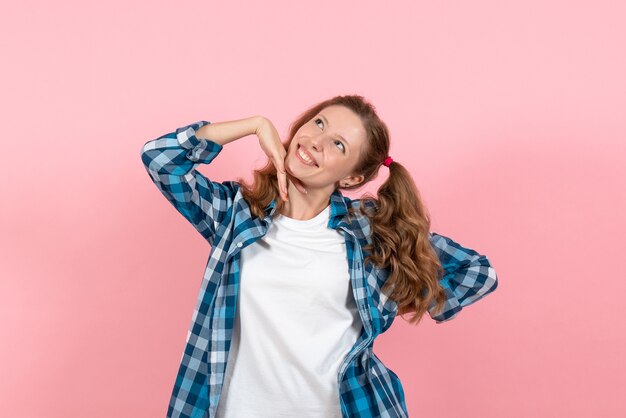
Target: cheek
[{"x": 337, "y": 165}]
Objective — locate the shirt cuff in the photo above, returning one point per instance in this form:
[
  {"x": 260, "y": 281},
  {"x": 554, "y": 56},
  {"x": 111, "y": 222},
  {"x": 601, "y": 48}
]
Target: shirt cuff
[{"x": 199, "y": 149}]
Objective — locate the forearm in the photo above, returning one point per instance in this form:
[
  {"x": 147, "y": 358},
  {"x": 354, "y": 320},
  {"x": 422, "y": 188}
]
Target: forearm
[{"x": 228, "y": 131}]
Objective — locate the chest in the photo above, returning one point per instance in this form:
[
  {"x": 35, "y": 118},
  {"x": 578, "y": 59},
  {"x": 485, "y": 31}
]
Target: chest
[
  {"x": 344, "y": 240},
  {"x": 291, "y": 272}
]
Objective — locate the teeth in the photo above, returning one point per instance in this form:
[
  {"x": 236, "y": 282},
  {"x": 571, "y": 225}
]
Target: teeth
[{"x": 305, "y": 157}]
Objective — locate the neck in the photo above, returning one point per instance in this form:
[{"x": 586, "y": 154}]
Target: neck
[{"x": 305, "y": 206}]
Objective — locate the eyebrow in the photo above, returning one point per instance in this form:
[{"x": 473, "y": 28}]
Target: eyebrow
[{"x": 328, "y": 124}]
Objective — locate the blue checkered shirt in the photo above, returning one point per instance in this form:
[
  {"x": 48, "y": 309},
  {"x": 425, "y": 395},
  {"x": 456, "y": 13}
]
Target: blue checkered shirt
[{"x": 367, "y": 388}]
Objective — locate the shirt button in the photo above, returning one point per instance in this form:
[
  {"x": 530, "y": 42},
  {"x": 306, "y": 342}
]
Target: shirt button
[{"x": 239, "y": 244}]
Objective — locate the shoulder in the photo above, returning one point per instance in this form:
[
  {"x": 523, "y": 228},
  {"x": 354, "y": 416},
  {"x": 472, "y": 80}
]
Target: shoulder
[
  {"x": 366, "y": 204},
  {"x": 360, "y": 212},
  {"x": 232, "y": 186}
]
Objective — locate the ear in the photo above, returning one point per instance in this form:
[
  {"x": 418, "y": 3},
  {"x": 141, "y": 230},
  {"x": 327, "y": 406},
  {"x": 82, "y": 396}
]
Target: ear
[{"x": 352, "y": 180}]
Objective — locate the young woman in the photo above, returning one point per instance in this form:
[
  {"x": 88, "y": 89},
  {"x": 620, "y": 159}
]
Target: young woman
[{"x": 301, "y": 279}]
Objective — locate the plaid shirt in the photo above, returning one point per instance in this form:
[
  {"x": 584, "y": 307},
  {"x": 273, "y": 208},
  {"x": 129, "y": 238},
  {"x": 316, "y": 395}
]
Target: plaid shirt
[{"x": 367, "y": 388}]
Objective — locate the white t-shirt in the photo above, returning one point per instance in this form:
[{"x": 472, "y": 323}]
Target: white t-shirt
[{"x": 296, "y": 321}]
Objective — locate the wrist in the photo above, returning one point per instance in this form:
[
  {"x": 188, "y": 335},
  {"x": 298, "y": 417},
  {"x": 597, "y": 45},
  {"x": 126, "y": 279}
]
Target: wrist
[{"x": 260, "y": 122}]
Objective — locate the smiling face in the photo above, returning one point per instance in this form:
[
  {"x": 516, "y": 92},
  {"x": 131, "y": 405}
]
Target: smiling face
[{"x": 331, "y": 142}]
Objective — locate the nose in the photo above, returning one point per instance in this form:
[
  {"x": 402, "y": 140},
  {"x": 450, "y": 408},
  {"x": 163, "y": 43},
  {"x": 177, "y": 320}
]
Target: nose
[{"x": 316, "y": 142}]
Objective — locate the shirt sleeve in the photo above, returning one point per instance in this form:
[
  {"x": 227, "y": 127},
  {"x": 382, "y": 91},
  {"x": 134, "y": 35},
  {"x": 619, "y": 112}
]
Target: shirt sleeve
[
  {"x": 170, "y": 160},
  {"x": 468, "y": 276}
]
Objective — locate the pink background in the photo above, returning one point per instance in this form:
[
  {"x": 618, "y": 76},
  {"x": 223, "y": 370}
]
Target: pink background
[{"x": 510, "y": 115}]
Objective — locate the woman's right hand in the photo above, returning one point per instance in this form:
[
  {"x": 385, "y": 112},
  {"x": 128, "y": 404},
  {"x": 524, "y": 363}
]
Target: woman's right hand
[{"x": 273, "y": 147}]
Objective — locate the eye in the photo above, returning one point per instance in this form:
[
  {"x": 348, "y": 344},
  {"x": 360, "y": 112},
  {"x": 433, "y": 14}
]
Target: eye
[{"x": 343, "y": 147}]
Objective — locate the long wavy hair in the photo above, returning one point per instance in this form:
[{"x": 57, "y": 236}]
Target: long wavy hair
[{"x": 400, "y": 222}]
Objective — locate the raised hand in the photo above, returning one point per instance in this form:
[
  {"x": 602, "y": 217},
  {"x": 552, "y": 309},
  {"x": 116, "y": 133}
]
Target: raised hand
[{"x": 273, "y": 147}]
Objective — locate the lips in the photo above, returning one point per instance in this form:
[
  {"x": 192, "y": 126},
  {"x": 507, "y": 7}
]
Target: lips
[{"x": 300, "y": 147}]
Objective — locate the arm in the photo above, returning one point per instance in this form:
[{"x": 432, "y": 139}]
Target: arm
[
  {"x": 170, "y": 161},
  {"x": 468, "y": 276},
  {"x": 225, "y": 132}
]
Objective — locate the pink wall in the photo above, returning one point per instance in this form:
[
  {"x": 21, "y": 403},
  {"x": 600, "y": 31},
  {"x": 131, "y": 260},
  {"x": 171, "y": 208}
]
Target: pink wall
[{"x": 509, "y": 114}]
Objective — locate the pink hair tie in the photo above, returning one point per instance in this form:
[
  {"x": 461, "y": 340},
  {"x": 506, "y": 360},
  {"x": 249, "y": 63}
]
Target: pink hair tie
[{"x": 387, "y": 161}]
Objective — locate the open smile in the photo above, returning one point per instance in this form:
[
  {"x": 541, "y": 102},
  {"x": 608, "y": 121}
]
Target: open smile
[{"x": 305, "y": 158}]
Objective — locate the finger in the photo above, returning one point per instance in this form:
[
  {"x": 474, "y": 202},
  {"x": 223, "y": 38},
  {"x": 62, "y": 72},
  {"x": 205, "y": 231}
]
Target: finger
[
  {"x": 283, "y": 176},
  {"x": 296, "y": 182},
  {"x": 300, "y": 187},
  {"x": 282, "y": 183},
  {"x": 279, "y": 163},
  {"x": 280, "y": 175},
  {"x": 286, "y": 186}
]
